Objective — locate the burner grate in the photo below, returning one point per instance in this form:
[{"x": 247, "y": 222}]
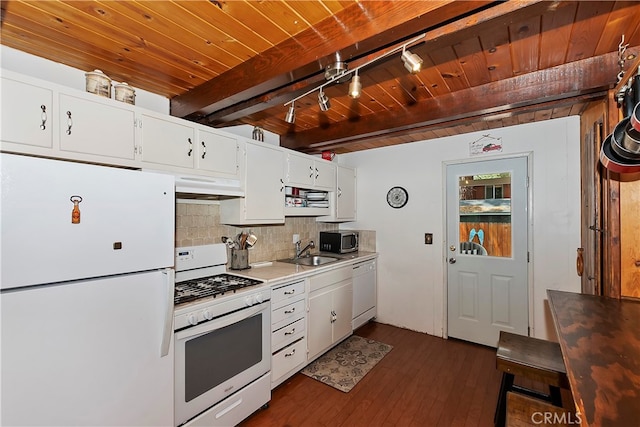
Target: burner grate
[{"x": 213, "y": 286}]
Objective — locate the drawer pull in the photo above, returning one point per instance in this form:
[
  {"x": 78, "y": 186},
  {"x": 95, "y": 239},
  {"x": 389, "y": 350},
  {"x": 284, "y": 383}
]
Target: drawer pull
[
  {"x": 293, "y": 331},
  {"x": 293, "y": 351},
  {"x": 43, "y": 117},
  {"x": 291, "y": 292},
  {"x": 290, "y": 311},
  {"x": 69, "y": 123}
]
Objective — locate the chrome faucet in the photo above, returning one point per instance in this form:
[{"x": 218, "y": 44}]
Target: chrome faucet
[{"x": 299, "y": 251}]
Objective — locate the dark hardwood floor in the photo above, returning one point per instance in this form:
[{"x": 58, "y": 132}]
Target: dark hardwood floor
[{"x": 424, "y": 381}]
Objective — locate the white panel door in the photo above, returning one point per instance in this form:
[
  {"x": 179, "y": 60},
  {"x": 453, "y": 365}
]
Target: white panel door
[
  {"x": 487, "y": 249},
  {"x": 27, "y": 114},
  {"x": 264, "y": 184},
  {"x": 168, "y": 141},
  {"x": 92, "y": 127}
]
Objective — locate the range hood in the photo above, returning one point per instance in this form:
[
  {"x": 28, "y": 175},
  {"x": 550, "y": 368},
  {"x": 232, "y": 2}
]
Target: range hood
[
  {"x": 205, "y": 187},
  {"x": 208, "y": 186}
]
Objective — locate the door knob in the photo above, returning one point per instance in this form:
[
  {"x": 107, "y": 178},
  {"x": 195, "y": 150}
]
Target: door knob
[{"x": 452, "y": 260}]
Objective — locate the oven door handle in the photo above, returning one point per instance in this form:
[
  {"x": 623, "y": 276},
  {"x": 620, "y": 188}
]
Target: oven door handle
[
  {"x": 167, "y": 330},
  {"x": 220, "y": 323}
]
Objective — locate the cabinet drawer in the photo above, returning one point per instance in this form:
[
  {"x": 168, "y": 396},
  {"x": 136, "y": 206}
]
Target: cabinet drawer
[
  {"x": 329, "y": 278},
  {"x": 287, "y": 334},
  {"x": 286, "y": 294},
  {"x": 288, "y": 359},
  {"x": 287, "y": 314}
]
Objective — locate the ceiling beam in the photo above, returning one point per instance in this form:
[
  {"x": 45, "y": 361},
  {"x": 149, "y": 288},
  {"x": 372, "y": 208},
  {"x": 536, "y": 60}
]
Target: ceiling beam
[
  {"x": 463, "y": 27},
  {"x": 383, "y": 23},
  {"x": 463, "y": 121},
  {"x": 561, "y": 82}
]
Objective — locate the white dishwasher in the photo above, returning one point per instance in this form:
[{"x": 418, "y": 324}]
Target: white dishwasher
[{"x": 364, "y": 292}]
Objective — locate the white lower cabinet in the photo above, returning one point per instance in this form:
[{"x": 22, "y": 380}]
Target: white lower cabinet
[
  {"x": 288, "y": 330},
  {"x": 330, "y": 310}
]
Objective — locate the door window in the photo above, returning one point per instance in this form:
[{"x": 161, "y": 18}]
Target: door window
[{"x": 485, "y": 214}]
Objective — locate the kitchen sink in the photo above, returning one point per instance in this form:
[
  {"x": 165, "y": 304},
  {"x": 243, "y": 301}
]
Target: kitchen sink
[{"x": 313, "y": 260}]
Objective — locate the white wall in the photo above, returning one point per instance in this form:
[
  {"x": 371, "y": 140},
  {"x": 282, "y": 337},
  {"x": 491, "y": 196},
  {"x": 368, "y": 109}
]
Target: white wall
[
  {"x": 411, "y": 275},
  {"x": 30, "y": 65}
]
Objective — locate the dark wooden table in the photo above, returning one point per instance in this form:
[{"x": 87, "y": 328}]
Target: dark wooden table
[{"x": 600, "y": 342}]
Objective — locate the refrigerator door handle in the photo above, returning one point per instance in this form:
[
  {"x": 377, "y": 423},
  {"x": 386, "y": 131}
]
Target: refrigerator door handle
[{"x": 167, "y": 332}]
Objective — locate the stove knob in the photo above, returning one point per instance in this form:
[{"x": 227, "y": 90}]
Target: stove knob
[
  {"x": 207, "y": 314},
  {"x": 259, "y": 298},
  {"x": 249, "y": 301},
  {"x": 192, "y": 319}
]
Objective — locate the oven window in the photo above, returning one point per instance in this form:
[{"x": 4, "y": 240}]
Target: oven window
[{"x": 213, "y": 358}]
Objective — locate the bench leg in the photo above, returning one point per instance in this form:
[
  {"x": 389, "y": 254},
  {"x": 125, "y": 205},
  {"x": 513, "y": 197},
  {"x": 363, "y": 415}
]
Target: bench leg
[
  {"x": 555, "y": 396},
  {"x": 501, "y": 408}
]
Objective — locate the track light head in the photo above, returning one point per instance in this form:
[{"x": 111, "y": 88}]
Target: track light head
[
  {"x": 412, "y": 62},
  {"x": 323, "y": 101},
  {"x": 355, "y": 87},
  {"x": 290, "y": 117}
]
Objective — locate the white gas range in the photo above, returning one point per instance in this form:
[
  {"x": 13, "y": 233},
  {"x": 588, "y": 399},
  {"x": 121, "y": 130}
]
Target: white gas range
[{"x": 222, "y": 329}]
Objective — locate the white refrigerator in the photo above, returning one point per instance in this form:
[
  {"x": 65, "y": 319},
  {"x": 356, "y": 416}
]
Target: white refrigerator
[{"x": 86, "y": 299}]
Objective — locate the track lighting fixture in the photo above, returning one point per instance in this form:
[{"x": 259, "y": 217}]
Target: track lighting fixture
[
  {"x": 412, "y": 62},
  {"x": 291, "y": 114},
  {"x": 323, "y": 101},
  {"x": 355, "y": 87},
  {"x": 339, "y": 73}
]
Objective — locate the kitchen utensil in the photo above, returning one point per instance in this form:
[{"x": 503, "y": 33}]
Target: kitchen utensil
[
  {"x": 251, "y": 239},
  {"x": 243, "y": 241}
]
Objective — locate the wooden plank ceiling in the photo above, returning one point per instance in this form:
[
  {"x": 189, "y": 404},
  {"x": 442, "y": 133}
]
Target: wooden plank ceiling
[{"x": 485, "y": 64}]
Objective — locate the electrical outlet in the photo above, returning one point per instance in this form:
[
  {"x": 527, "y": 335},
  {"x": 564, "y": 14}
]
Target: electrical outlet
[
  {"x": 428, "y": 238},
  {"x": 296, "y": 238}
]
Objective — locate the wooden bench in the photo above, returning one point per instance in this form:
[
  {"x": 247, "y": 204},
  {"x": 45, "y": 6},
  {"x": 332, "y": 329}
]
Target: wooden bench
[{"x": 531, "y": 358}]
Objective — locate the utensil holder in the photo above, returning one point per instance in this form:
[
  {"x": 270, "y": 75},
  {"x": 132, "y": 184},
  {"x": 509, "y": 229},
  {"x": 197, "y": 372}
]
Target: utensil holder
[{"x": 239, "y": 259}]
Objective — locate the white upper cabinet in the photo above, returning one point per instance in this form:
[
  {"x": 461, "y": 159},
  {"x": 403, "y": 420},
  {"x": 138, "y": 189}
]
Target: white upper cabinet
[
  {"x": 167, "y": 141},
  {"x": 92, "y": 127},
  {"x": 343, "y": 200},
  {"x": 27, "y": 114},
  {"x": 39, "y": 118},
  {"x": 345, "y": 205},
  {"x": 325, "y": 177},
  {"x": 263, "y": 186},
  {"x": 218, "y": 153},
  {"x": 305, "y": 171}
]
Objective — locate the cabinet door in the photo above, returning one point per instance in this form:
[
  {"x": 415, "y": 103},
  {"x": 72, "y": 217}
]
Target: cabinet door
[
  {"x": 167, "y": 142},
  {"x": 343, "y": 309},
  {"x": 217, "y": 153},
  {"x": 264, "y": 186},
  {"x": 300, "y": 171},
  {"x": 319, "y": 326},
  {"x": 325, "y": 175},
  {"x": 27, "y": 115},
  {"x": 92, "y": 127},
  {"x": 346, "y": 194}
]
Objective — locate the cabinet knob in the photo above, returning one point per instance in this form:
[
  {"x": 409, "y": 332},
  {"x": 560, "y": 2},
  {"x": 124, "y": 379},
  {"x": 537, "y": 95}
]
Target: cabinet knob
[
  {"x": 204, "y": 149},
  {"x": 190, "y": 147}
]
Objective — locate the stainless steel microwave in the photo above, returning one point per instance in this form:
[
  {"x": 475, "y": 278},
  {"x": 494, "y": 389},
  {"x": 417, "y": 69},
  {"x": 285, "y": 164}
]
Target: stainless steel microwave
[{"x": 339, "y": 242}]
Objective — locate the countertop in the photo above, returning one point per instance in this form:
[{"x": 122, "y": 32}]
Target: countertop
[
  {"x": 600, "y": 342},
  {"x": 275, "y": 272}
]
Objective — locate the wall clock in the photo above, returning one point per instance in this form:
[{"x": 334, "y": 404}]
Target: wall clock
[{"x": 397, "y": 197}]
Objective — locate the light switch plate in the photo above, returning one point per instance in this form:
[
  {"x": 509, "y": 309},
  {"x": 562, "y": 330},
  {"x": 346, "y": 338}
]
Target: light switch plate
[{"x": 428, "y": 238}]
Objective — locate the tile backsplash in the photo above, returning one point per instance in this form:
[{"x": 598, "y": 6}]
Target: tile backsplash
[{"x": 199, "y": 224}]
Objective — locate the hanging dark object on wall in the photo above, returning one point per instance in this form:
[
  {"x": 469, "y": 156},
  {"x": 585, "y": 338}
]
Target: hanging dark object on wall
[{"x": 620, "y": 151}]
